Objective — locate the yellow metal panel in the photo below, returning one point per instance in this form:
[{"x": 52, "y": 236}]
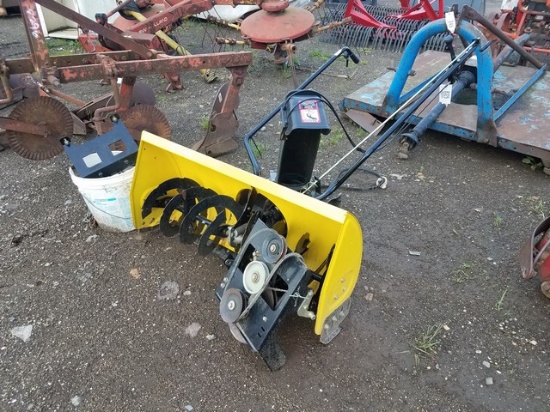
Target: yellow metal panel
[{"x": 160, "y": 160}]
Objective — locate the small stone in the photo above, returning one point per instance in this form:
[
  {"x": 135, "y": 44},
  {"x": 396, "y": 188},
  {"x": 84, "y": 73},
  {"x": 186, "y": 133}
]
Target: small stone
[
  {"x": 76, "y": 400},
  {"x": 478, "y": 351},
  {"x": 22, "y": 332},
  {"x": 369, "y": 296},
  {"x": 446, "y": 327},
  {"x": 188, "y": 408},
  {"x": 187, "y": 293},
  {"x": 210, "y": 337},
  {"x": 91, "y": 238},
  {"x": 68, "y": 202},
  {"x": 263, "y": 129},
  {"x": 168, "y": 290},
  {"x": 134, "y": 273},
  {"x": 488, "y": 381},
  {"x": 193, "y": 329},
  {"x": 486, "y": 364},
  {"x": 533, "y": 342}
]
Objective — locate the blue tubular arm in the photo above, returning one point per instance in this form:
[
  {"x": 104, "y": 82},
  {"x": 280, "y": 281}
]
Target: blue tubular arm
[{"x": 486, "y": 129}]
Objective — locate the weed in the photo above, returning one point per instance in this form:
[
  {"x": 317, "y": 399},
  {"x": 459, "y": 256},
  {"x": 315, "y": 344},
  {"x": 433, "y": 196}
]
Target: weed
[
  {"x": 464, "y": 273},
  {"x": 204, "y": 122},
  {"x": 536, "y": 205},
  {"x": 63, "y": 47},
  {"x": 333, "y": 139},
  {"x": 497, "y": 220},
  {"x": 320, "y": 55},
  {"x": 161, "y": 98},
  {"x": 286, "y": 71},
  {"x": 428, "y": 342},
  {"x": 258, "y": 149},
  {"x": 500, "y": 302},
  {"x": 532, "y": 162}
]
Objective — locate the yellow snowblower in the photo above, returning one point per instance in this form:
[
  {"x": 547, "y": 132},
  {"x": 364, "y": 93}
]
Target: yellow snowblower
[{"x": 285, "y": 251}]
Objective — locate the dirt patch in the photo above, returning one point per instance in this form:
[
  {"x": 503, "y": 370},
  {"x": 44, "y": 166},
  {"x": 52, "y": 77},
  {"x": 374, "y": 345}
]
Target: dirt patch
[{"x": 451, "y": 328}]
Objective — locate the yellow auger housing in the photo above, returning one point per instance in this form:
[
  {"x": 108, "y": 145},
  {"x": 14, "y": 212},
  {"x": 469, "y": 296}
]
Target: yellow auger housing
[{"x": 283, "y": 246}]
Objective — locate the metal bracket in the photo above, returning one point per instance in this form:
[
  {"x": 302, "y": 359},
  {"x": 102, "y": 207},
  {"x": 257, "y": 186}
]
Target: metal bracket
[
  {"x": 331, "y": 328},
  {"x": 303, "y": 310}
]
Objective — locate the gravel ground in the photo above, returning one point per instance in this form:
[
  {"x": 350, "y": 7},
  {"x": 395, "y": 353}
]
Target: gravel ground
[{"x": 104, "y": 339}]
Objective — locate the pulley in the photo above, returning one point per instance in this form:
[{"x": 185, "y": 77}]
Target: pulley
[
  {"x": 255, "y": 276},
  {"x": 273, "y": 248},
  {"x": 231, "y": 305}
]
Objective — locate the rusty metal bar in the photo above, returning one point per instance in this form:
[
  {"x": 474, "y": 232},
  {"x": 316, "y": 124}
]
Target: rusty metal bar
[
  {"x": 20, "y": 65},
  {"x": 163, "y": 65},
  {"x": 40, "y": 54},
  {"x": 179, "y": 10},
  {"x": 472, "y": 14},
  {"x": 22, "y": 126},
  {"x": 53, "y": 91},
  {"x": 4, "y": 78},
  {"x": 94, "y": 26},
  {"x": 90, "y": 58}
]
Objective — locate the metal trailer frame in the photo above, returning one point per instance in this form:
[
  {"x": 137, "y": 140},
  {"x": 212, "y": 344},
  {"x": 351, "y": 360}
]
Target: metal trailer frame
[{"x": 519, "y": 124}]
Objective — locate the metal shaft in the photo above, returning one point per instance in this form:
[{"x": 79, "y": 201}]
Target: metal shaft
[
  {"x": 436, "y": 82},
  {"x": 465, "y": 79}
]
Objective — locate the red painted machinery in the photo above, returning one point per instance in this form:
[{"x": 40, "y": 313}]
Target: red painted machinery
[
  {"x": 38, "y": 122},
  {"x": 387, "y": 28},
  {"x": 534, "y": 257},
  {"x": 126, "y": 54},
  {"x": 531, "y": 17}
]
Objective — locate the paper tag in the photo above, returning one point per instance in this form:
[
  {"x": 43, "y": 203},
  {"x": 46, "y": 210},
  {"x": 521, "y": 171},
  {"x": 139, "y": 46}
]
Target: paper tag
[
  {"x": 450, "y": 21},
  {"x": 445, "y": 91}
]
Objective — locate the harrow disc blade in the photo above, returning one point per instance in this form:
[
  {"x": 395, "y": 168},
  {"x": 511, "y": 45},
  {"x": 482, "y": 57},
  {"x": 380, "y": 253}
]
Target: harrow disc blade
[
  {"x": 45, "y": 112},
  {"x": 146, "y": 117}
]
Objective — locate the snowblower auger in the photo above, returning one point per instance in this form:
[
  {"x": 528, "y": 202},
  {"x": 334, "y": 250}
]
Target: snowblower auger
[{"x": 285, "y": 251}]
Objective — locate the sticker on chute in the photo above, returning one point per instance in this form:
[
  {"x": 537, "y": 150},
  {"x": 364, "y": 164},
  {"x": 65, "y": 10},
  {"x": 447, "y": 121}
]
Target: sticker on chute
[{"x": 309, "y": 112}]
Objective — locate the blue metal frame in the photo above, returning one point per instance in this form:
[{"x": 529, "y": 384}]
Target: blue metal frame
[
  {"x": 519, "y": 93},
  {"x": 486, "y": 128}
]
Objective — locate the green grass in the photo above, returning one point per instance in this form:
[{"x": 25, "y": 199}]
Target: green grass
[
  {"x": 500, "y": 303},
  {"x": 258, "y": 148},
  {"x": 537, "y": 206},
  {"x": 320, "y": 55},
  {"x": 63, "y": 47},
  {"x": 497, "y": 221},
  {"x": 464, "y": 273},
  {"x": 532, "y": 162},
  {"x": 204, "y": 122},
  {"x": 332, "y": 139},
  {"x": 428, "y": 342}
]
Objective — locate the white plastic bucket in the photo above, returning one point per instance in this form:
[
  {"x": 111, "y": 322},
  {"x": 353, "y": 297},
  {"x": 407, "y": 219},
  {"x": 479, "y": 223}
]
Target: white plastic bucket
[{"x": 108, "y": 199}]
